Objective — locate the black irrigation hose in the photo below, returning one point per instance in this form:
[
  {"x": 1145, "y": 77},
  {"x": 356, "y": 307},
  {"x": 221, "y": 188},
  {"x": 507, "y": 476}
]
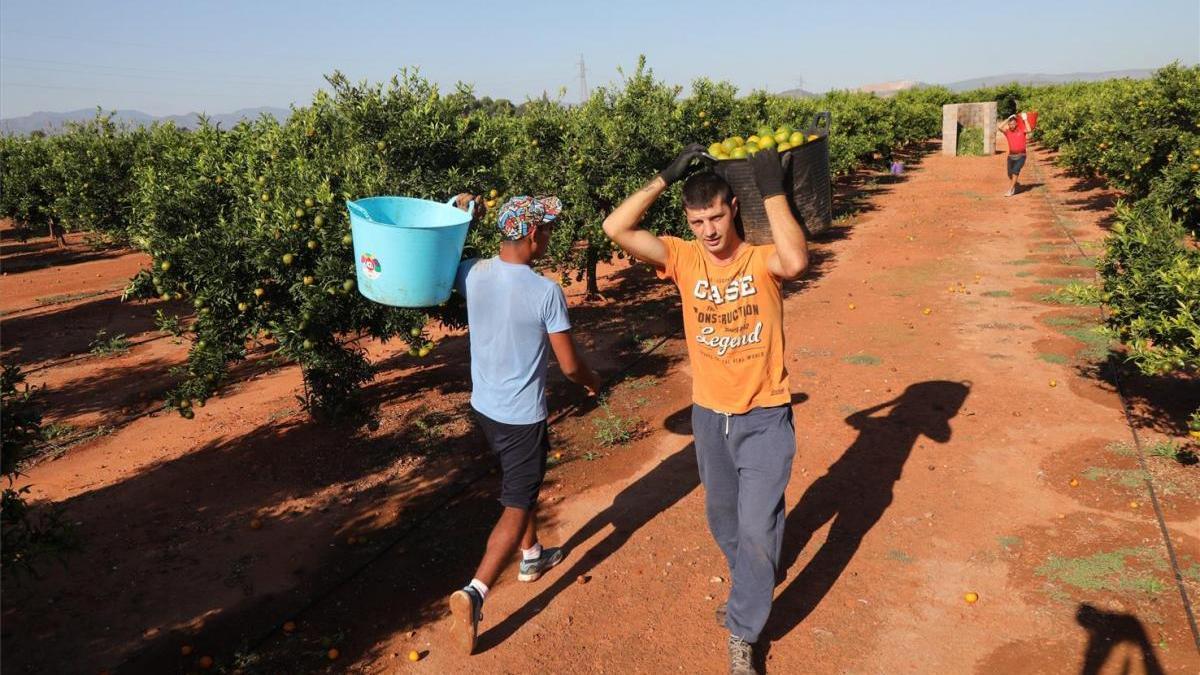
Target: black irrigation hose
[
  {"x": 1137, "y": 441},
  {"x": 442, "y": 504}
]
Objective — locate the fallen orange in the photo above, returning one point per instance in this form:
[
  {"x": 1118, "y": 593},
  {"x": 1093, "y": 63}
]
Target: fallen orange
[
  {"x": 414, "y": 655},
  {"x": 971, "y": 598}
]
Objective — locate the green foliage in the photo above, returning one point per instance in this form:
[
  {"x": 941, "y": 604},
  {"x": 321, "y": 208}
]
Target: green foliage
[
  {"x": 970, "y": 142},
  {"x": 1142, "y": 136},
  {"x": 1152, "y": 286},
  {"x": 249, "y": 224},
  {"x": 25, "y": 536},
  {"x": 109, "y": 345}
]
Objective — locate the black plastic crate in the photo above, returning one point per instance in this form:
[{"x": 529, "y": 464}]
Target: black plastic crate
[{"x": 805, "y": 174}]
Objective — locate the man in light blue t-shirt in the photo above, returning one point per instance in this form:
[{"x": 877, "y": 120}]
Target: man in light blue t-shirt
[{"x": 515, "y": 317}]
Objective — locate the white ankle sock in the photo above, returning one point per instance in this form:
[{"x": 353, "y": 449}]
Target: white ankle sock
[
  {"x": 533, "y": 552},
  {"x": 479, "y": 586}
]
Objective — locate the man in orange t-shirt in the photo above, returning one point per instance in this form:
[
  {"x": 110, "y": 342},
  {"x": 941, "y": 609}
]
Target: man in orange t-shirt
[{"x": 732, "y": 299}]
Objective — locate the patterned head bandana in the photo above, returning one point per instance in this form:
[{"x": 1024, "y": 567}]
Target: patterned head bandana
[{"x": 519, "y": 213}]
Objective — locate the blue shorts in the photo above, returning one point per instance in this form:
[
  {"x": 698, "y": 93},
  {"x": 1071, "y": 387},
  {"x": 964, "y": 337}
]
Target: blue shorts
[
  {"x": 522, "y": 449},
  {"x": 1015, "y": 163}
]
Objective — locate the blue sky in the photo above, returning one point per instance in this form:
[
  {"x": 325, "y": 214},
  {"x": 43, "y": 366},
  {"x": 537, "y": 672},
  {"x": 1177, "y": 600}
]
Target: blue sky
[{"x": 217, "y": 56}]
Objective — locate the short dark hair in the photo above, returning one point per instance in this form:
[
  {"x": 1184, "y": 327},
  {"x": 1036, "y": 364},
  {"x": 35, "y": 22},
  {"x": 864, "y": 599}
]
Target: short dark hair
[{"x": 700, "y": 189}]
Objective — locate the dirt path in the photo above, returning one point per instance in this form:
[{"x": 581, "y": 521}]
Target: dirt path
[{"x": 954, "y": 437}]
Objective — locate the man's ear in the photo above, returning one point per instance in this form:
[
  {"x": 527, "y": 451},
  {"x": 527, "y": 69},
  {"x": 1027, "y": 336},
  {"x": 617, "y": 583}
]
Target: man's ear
[{"x": 733, "y": 207}]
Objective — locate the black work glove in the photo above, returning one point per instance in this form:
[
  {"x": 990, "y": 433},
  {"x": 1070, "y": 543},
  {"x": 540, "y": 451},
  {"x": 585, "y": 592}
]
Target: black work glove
[
  {"x": 679, "y": 167},
  {"x": 768, "y": 172}
]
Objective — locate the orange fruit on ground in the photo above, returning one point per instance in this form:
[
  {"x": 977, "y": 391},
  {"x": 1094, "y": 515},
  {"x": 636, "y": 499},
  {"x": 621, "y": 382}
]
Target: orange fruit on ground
[
  {"x": 289, "y": 627},
  {"x": 185, "y": 650},
  {"x": 558, "y": 455},
  {"x": 1134, "y": 505},
  {"x": 1074, "y": 482},
  {"x": 927, "y": 311},
  {"x": 1053, "y": 383},
  {"x": 971, "y": 598},
  {"x": 206, "y": 662},
  {"x": 852, "y": 305},
  {"x": 414, "y": 655},
  {"x": 333, "y": 654}
]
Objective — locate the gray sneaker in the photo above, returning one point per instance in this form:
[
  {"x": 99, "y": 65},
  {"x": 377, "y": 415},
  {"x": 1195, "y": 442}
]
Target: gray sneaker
[
  {"x": 741, "y": 657},
  {"x": 466, "y": 607},
  {"x": 532, "y": 570}
]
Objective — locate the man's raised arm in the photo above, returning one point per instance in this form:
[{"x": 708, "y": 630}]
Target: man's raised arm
[{"x": 622, "y": 225}]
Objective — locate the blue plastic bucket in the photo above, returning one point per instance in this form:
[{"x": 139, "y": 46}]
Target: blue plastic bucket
[{"x": 407, "y": 250}]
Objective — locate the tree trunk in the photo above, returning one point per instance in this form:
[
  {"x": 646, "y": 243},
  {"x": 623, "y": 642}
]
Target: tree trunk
[
  {"x": 593, "y": 286},
  {"x": 57, "y": 234}
]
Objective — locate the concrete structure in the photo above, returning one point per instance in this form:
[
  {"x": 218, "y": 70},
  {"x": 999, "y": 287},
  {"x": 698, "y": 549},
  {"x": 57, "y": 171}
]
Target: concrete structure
[{"x": 968, "y": 115}]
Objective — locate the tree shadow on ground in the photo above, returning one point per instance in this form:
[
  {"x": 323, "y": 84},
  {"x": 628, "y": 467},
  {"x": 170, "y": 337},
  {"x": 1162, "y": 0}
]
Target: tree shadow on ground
[
  {"x": 117, "y": 390},
  {"x": 1160, "y": 403},
  {"x": 171, "y": 557},
  {"x": 70, "y": 329},
  {"x": 662, "y": 487},
  {"x": 855, "y": 492},
  {"x": 1106, "y": 631}
]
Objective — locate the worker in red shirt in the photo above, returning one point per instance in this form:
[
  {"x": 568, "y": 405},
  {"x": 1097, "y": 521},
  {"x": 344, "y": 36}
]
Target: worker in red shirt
[{"x": 1015, "y": 135}]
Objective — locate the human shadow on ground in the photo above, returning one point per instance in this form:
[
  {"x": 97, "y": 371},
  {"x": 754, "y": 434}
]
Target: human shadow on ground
[
  {"x": 1107, "y": 630},
  {"x": 855, "y": 492},
  {"x": 672, "y": 480}
]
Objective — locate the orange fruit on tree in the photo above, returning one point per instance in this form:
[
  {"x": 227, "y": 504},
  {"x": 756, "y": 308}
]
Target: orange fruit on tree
[
  {"x": 206, "y": 662},
  {"x": 289, "y": 627},
  {"x": 333, "y": 654},
  {"x": 185, "y": 650}
]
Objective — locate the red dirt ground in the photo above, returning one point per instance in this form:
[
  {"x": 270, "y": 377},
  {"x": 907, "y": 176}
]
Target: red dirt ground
[{"x": 979, "y": 447}]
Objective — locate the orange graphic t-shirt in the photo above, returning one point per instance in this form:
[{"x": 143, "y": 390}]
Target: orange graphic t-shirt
[{"x": 733, "y": 322}]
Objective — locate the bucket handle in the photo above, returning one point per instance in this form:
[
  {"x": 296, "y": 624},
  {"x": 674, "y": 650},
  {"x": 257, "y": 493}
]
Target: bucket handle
[
  {"x": 819, "y": 117},
  {"x": 470, "y": 206},
  {"x": 358, "y": 210}
]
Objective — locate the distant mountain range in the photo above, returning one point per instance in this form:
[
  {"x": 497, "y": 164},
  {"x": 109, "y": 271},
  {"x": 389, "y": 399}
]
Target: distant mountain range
[
  {"x": 51, "y": 122},
  {"x": 886, "y": 89},
  {"x": 1040, "y": 78}
]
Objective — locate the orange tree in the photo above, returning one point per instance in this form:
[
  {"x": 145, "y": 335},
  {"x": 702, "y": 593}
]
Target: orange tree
[
  {"x": 28, "y": 181},
  {"x": 93, "y": 162},
  {"x": 249, "y": 224},
  {"x": 1143, "y": 138}
]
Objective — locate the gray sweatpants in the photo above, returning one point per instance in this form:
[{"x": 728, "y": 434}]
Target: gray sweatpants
[{"x": 745, "y": 462}]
